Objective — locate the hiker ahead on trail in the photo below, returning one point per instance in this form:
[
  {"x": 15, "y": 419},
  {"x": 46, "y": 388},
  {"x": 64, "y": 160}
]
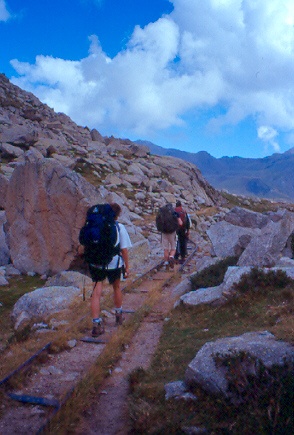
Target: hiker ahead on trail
[
  {"x": 182, "y": 232},
  {"x": 168, "y": 222},
  {"x": 106, "y": 244}
]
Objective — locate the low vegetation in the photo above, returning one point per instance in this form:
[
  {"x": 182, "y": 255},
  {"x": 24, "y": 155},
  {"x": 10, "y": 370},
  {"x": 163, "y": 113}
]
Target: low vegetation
[
  {"x": 269, "y": 397},
  {"x": 265, "y": 394},
  {"x": 213, "y": 275},
  {"x": 259, "y": 281},
  {"x": 258, "y": 205},
  {"x": 9, "y": 295}
]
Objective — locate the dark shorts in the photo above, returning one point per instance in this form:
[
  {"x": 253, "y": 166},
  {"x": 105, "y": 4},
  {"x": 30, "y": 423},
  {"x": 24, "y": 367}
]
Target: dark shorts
[{"x": 98, "y": 275}]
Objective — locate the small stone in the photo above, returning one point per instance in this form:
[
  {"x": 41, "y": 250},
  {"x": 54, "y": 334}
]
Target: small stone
[{"x": 72, "y": 343}]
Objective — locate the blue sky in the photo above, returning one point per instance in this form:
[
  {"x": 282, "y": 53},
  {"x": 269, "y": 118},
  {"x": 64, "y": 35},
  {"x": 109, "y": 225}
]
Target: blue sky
[{"x": 213, "y": 75}]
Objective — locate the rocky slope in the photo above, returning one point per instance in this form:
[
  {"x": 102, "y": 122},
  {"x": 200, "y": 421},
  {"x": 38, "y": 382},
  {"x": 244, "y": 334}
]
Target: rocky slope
[{"x": 52, "y": 170}]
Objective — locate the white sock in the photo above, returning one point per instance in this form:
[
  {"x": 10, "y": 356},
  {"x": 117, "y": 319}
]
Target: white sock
[
  {"x": 97, "y": 320},
  {"x": 118, "y": 310}
]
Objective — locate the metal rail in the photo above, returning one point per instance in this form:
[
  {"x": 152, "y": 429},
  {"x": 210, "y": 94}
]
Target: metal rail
[
  {"x": 157, "y": 267},
  {"x": 27, "y": 363},
  {"x": 189, "y": 257}
]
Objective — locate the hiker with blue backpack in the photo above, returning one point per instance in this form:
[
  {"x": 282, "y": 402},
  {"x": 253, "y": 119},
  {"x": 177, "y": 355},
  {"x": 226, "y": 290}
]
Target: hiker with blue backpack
[{"x": 106, "y": 244}]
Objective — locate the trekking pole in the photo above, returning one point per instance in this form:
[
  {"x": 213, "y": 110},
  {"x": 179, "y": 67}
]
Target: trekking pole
[{"x": 84, "y": 289}]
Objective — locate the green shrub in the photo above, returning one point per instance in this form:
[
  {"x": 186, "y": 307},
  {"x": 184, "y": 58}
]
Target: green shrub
[
  {"x": 265, "y": 395},
  {"x": 260, "y": 281},
  {"x": 213, "y": 275}
]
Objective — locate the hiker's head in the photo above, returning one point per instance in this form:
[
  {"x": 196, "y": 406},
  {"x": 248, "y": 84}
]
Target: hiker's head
[
  {"x": 178, "y": 204},
  {"x": 116, "y": 208}
]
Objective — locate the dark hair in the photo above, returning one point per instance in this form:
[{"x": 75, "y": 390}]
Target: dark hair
[
  {"x": 116, "y": 208},
  {"x": 178, "y": 204}
]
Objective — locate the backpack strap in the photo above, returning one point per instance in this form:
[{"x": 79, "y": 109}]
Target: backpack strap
[
  {"x": 118, "y": 245},
  {"x": 119, "y": 254}
]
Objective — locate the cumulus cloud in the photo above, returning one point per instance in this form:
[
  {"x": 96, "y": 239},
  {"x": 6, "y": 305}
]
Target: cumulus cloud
[
  {"x": 268, "y": 135},
  {"x": 4, "y": 14},
  {"x": 234, "y": 53}
]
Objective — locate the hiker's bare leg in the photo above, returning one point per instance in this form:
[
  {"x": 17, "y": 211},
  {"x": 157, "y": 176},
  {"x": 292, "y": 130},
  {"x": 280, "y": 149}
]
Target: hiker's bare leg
[
  {"x": 173, "y": 245},
  {"x": 166, "y": 255},
  {"x": 117, "y": 294},
  {"x": 95, "y": 300}
]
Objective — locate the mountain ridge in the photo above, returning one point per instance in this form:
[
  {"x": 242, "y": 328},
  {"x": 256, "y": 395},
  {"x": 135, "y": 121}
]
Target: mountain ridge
[{"x": 269, "y": 177}]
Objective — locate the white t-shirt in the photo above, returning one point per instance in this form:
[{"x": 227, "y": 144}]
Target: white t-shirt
[{"x": 125, "y": 242}]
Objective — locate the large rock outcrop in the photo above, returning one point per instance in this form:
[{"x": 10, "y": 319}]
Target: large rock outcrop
[
  {"x": 263, "y": 346},
  {"x": 259, "y": 239},
  {"x": 228, "y": 239},
  {"x": 266, "y": 248},
  {"x": 42, "y": 303},
  {"x": 45, "y": 209}
]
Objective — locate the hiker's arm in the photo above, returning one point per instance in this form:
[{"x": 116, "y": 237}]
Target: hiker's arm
[{"x": 125, "y": 256}]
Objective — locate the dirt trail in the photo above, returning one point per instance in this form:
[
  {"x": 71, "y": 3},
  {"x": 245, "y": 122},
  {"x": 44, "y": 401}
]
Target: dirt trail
[{"x": 109, "y": 414}]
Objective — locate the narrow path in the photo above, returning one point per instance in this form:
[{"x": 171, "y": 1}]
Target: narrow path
[{"x": 109, "y": 414}]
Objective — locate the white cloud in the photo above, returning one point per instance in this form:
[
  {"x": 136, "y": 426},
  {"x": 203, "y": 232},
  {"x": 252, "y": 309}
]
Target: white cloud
[
  {"x": 4, "y": 14},
  {"x": 233, "y": 53},
  {"x": 268, "y": 135}
]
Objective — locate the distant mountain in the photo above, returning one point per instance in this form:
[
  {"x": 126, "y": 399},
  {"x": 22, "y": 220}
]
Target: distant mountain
[{"x": 270, "y": 177}]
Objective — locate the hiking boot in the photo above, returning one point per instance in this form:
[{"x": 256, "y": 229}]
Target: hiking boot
[
  {"x": 98, "y": 329},
  {"x": 171, "y": 262},
  {"x": 118, "y": 318}
]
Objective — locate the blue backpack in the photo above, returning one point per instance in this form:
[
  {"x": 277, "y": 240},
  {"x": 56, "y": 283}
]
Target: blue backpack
[{"x": 100, "y": 235}]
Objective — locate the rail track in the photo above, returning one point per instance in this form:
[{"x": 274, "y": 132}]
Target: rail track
[{"x": 19, "y": 388}]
